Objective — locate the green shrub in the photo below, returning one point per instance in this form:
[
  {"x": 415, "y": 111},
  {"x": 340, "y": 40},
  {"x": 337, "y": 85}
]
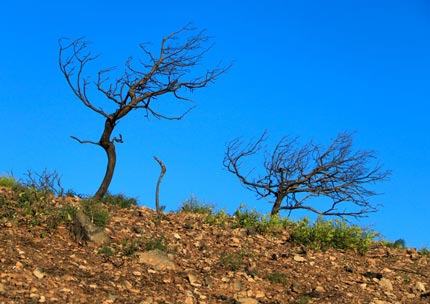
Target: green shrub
[
  {"x": 232, "y": 261},
  {"x": 247, "y": 219},
  {"x": 96, "y": 211},
  {"x": 337, "y": 234},
  {"x": 398, "y": 244},
  {"x": 106, "y": 250},
  {"x": 159, "y": 244},
  {"x": 192, "y": 205},
  {"x": 7, "y": 181},
  {"x": 129, "y": 247},
  {"x": 262, "y": 224},
  {"x": 424, "y": 252},
  {"x": 277, "y": 277},
  {"x": 220, "y": 218},
  {"x": 119, "y": 200}
]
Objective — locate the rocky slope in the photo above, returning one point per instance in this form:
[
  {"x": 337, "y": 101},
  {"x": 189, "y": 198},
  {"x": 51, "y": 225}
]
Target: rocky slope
[{"x": 182, "y": 259}]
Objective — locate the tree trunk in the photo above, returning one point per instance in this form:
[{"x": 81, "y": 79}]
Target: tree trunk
[
  {"x": 111, "y": 155},
  {"x": 277, "y": 205},
  {"x": 109, "y": 146}
]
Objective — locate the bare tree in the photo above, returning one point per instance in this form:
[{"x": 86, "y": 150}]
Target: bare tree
[
  {"x": 293, "y": 175},
  {"x": 167, "y": 72}
]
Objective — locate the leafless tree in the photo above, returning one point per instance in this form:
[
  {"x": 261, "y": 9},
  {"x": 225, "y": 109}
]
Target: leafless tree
[
  {"x": 169, "y": 71},
  {"x": 292, "y": 175}
]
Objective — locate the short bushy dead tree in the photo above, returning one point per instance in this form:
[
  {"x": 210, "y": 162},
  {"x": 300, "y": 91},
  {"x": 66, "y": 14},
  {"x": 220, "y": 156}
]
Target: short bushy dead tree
[
  {"x": 170, "y": 71},
  {"x": 292, "y": 175}
]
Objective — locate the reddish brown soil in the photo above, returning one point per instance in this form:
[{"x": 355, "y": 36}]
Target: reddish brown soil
[{"x": 214, "y": 265}]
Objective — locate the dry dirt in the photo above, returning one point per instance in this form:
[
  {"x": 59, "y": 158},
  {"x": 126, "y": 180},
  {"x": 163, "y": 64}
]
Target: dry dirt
[{"x": 205, "y": 264}]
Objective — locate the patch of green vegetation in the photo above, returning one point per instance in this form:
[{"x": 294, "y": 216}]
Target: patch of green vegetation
[
  {"x": 303, "y": 299},
  {"x": 424, "y": 252},
  {"x": 119, "y": 200},
  {"x": 277, "y": 277},
  {"x": 7, "y": 181},
  {"x": 96, "y": 211},
  {"x": 231, "y": 261},
  {"x": 192, "y": 205},
  {"x": 158, "y": 243},
  {"x": 324, "y": 234},
  {"x": 398, "y": 244},
  {"x": 256, "y": 222},
  {"x": 129, "y": 247},
  {"x": 220, "y": 218},
  {"x": 106, "y": 250},
  {"x": 33, "y": 202}
]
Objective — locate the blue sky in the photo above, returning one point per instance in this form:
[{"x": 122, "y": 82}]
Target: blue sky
[{"x": 302, "y": 68}]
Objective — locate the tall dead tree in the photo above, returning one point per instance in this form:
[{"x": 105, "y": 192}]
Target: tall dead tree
[
  {"x": 292, "y": 175},
  {"x": 169, "y": 71}
]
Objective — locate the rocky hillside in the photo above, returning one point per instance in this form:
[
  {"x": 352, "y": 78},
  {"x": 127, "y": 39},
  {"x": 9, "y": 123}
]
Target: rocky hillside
[{"x": 185, "y": 259}]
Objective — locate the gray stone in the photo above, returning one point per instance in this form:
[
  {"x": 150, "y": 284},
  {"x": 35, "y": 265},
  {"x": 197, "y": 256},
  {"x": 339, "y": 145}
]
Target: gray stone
[
  {"x": 246, "y": 300},
  {"x": 157, "y": 259},
  {"x": 385, "y": 284},
  {"x": 420, "y": 287},
  {"x": 299, "y": 258},
  {"x": 83, "y": 230}
]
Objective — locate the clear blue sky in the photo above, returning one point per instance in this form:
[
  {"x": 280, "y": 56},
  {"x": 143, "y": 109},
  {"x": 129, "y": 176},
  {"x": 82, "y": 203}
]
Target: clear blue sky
[{"x": 303, "y": 68}]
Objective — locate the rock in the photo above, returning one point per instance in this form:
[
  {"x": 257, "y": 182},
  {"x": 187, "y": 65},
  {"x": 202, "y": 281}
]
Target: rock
[
  {"x": 260, "y": 294},
  {"x": 235, "y": 242},
  {"x": 247, "y": 300},
  {"x": 420, "y": 287},
  {"x": 83, "y": 230},
  {"x": 194, "y": 281},
  {"x": 157, "y": 259},
  {"x": 379, "y": 302},
  {"x": 299, "y": 258},
  {"x": 385, "y": 284},
  {"x": 38, "y": 273},
  {"x": 2, "y": 288},
  {"x": 237, "y": 285},
  {"x": 319, "y": 289}
]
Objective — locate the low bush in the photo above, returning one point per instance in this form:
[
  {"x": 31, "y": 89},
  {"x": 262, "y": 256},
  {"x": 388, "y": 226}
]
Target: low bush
[
  {"x": 337, "y": 234},
  {"x": 119, "y": 200},
  {"x": 256, "y": 222},
  {"x": 277, "y": 277},
  {"x": 158, "y": 243},
  {"x": 231, "y": 261},
  {"x": 129, "y": 247},
  {"x": 7, "y": 181},
  {"x": 96, "y": 211},
  {"x": 220, "y": 218},
  {"x": 192, "y": 205}
]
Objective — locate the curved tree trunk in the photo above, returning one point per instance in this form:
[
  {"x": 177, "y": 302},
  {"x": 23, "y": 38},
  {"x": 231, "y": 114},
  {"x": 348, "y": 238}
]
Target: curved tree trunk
[
  {"x": 111, "y": 155},
  {"x": 277, "y": 205},
  {"x": 109, "y": 146}
]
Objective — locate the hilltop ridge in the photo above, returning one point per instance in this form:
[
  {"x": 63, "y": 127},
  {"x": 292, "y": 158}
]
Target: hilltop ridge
[{"x": 186, "y": 258}]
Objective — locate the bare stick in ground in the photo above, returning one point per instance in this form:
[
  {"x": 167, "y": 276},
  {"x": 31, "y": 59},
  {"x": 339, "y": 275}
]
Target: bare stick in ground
[{"x": 157, "y": 190}]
